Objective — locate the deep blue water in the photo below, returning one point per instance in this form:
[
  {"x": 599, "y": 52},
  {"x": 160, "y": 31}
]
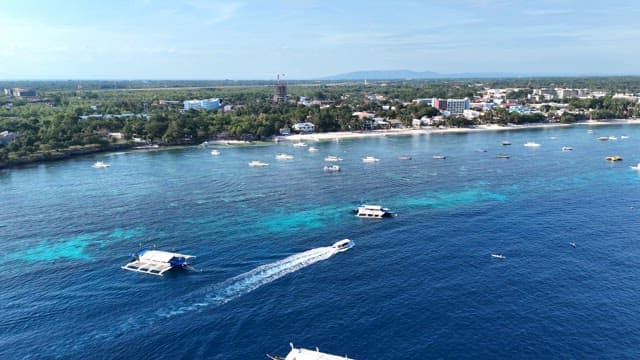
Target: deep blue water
[{"x": 416, "y": 286}]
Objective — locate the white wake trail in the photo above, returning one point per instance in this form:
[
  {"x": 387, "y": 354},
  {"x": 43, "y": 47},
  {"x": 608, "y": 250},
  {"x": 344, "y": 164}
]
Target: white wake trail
[{"x": 247, "y": 282}]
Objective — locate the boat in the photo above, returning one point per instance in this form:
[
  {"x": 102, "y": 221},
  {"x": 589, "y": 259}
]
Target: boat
[
  {"x": 156, "y": 262},
  {"x": 372, "y": 211},
  {"x": 370, "y": 159},
  {"x": 439, "y": 157},
  {"x": 313, "y": 149},
  {"x": 256, "y": 163},
  {"x": 215, "y": 152},
  {"x": 603, "y": 138},
  {"x": 332, "y": 168},
  {"x": 567, "y": 148},
  {"x": 623, "y": 137},
  {"x": 590, "y": 131},
  {"x": 343, "y": 245},
  {"x": 572, "y": 244},
  {"x": 404, "y": 157},
  {"x": 100, "y": 165},
  {"x": 498, "y": 256},
  {"x": 531, "y": 144},
  {"x": 503, "y": 156},
  {"x": 505, "y": 143},
  {"x": 613, "y": 138},
  {"x": 637, "y": 167},
  {"x": 306, "y": 354},
  {"x": 332, "y": 158},
  {"x": 284, "y": 157},
  {"x": 613, "y": 158},
  {"x": 299, "y": 144}
]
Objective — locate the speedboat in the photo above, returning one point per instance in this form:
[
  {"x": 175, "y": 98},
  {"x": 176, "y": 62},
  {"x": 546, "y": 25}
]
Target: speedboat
[
  {"x": 100, "y": 165},
  {"x": 531, "y": 144},
  {"x": 567, "y": 148},
  {"x": 372, "y": 211},
  {"x": 284, "y": 157},
  {"x": 637, "y": 167},
  {"x": 332, "y": 168},
  {"x": 215, "y": 152},
  {"x": 299, "y": 144},
  {"x": 439, "y": 157},
  {"x": 332, "y": 158},
  {"x": 343, "y": 245},
  {"x": 256, "y": 163},
  {"x": 503, "y": 156},
  {"x": 613, "y": 158},
  {"x": 572, "y": 244},
  {"x": 313, "y": 149},
  {"x": 370, "y": 159},
  {"x": 498, "y": 256},
  {"x": 505, "y": 143}
]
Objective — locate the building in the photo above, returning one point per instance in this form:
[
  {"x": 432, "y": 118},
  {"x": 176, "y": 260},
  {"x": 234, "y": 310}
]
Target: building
[
  {"x": 207, "y": 104},
  {"x": 439, "y": 104},
  {"x": 458, "y": 106},
  {"x": 7, "y": 137},
  {"x": 305, "y": 127}
]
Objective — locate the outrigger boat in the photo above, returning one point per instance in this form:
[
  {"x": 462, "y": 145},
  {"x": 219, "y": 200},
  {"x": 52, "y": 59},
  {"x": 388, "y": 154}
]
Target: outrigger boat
[
  {"x": 157, "y": 262},
  {"x": 306, "y": 354}
]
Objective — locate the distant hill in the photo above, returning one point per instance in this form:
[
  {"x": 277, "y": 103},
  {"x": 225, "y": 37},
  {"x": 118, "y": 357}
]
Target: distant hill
[{"x": 409, "y": 74}]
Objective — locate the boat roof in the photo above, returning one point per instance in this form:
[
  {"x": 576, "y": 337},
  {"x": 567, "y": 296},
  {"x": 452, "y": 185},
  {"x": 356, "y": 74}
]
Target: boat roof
[
  {"x": 161, "y": 256},
  {"x": 306, "y": 354}
]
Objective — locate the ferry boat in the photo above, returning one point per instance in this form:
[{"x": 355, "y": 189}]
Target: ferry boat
[
  {"x": 215, "y": 152},
  {"x": 157, "y": 262},
  {"x": 332, "y": 158},
  {"x": 343, "y": 245},
  {"x": 370, "y": 159},
  {"x": 100, "y": 165},
  {"x": 372, "y": 211},
  {"x": 332, "y": 168},
  {"x": 567, "y": 148},
  {"x": 284, "y": 157},
  {"x": 256, "y": 163},
  {"x": 613, "y": 158},
  {"x": 531, "y": 144},
  {"x": 306, "y": 354},
  {"x": 498, "y": 256}
]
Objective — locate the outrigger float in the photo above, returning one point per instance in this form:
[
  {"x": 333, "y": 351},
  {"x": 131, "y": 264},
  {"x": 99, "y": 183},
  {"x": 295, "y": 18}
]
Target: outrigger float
[
  {"x": 306, "y": 354},
  {"x": 157, "y": 262}
]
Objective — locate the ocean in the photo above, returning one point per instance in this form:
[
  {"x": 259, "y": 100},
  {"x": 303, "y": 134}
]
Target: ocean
[{"x": 420, "y": 285}]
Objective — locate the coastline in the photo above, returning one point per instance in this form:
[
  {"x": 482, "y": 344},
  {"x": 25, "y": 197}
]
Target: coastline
[{"x": 344, "y": 135}]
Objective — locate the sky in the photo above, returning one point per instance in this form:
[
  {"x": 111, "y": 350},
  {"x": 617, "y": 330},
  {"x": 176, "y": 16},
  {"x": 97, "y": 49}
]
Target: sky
[{"x": 307, "y": 39}]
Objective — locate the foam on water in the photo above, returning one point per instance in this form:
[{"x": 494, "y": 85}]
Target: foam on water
[{"x": 446, "y": 200}]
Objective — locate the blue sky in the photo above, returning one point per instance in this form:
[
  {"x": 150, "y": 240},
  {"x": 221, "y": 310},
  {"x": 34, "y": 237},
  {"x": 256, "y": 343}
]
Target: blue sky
[{"x": 200, "y": 39}]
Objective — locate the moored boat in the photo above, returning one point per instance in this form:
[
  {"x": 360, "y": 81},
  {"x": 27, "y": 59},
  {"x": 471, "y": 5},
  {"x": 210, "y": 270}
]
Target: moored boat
[
  {"x": 404, "y": 157},
  {"x": 503, "y": 156},
  {"x": 215, "y": 152},
  {"x": 332, "y": 168},
  {"x": 603, "y": 138},
  {"x": 256, "y": 163},
  {"x": 284, "y": 157},
  {"x": 567, "y": 148},
  {"x": 100, "y": 165},
  {"x": 299, "y": 144},
  {"x": 332, "y": 158},
  {"x": 439, "y": 157},
  {"x": 313, "y": 149},
  {"x": 613, "y": 158},
  {"x": 370, "y": 159},
  {"x": 506, "y": 143},
  {"x": 372, "y": 211},
  {"x": 531, "y": 144}
]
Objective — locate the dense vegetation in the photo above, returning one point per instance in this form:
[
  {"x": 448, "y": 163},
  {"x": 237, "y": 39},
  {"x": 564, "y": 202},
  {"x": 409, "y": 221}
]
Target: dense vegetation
[{"x": 54, "y": 119}]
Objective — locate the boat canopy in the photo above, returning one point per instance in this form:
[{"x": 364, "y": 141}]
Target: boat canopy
[{"x": 161, "y": 256}]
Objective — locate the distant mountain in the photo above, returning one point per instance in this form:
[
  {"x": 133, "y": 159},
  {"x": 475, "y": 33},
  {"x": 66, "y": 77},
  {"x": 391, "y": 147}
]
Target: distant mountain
[{"x": 409, "y": 74}]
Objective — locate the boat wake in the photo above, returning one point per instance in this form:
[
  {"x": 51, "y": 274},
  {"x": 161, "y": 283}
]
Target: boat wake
[{"x": 245, "y": 283}]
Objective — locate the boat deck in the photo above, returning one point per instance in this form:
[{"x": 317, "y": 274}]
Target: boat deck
[{"x": 148, "y": 267}]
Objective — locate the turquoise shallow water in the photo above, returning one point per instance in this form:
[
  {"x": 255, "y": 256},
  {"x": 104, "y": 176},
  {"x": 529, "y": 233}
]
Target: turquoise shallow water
[{"x": 420, "y": 285}]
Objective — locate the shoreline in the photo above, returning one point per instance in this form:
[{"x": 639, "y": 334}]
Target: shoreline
[{"x": 344, "y": 135}]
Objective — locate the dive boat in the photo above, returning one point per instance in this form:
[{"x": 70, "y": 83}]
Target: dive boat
[
  {"x": 332, "y": 168},
  {"x": 370, "y": 159},
  {"x": 498, "y": 256},
  {"x": 531, "y": 144},
  {"x": 613, "y": 158},
  {"x": 284, "y": 157},
  {"x": 306, "y": 354},
  {"x": 157, "y": 262},
  {"x": 215, "y": 152},
  {"x": 332, "y": 158},
  {"x": 100, "y": 165},
  {"x": 256, "y": 163},
  {"x": 372, "y": 211},
  {"x": 343, "y": 245},
  {"x": 567, "y": 148}
]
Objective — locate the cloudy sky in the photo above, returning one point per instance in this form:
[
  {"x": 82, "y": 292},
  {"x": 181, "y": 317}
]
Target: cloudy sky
[{"x": 255, "y": 39}]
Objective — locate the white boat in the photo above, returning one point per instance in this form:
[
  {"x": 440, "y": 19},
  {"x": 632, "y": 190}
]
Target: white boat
[
  {"x": 256, "y": 163},
  {"x": 439, "y": 157},
  {"x": 613, "y": 138},
  {"x": 299, "y": 144},
  {"x": 370, "y": 159},
  {"x": 215, "y": 152},
  {"x": 332, "y": 168},
  {"x": 572, "y": 244},
  {"x": 531, "y": 144},
  {"x": 505, "y": 143},
  {"x": 157, "y": 262},
  {"x": 404, "y": 157},
  {"x": 567, "y": 148},
  {"x": 624, "y": 137},
  {"x": 503, "y": 156},
  {"x": 332, "y": 158},
  {"x": 284, "y": 157},
  {"x": 312, "y": 149},
  {"x": 603, "y": 138},
  {"x": 343, "y": 245},
  {"x": 498, "y": 256},
  {"x": 372, "y": 211},
  {"x": 306, "y": 354},
  {"x": 637, "y": 167},
  {"x": 100, "y": 165}
]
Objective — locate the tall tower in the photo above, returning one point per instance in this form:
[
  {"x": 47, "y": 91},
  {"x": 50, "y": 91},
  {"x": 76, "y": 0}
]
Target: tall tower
[{"x": 281, "y": 90}]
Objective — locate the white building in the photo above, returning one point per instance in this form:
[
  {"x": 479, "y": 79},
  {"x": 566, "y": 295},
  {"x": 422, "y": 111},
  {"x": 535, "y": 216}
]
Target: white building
[
  {"x": 458, "y": 106},
  {"x": 207, "y": 104},
  {"x": 305, "y": 127}
]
